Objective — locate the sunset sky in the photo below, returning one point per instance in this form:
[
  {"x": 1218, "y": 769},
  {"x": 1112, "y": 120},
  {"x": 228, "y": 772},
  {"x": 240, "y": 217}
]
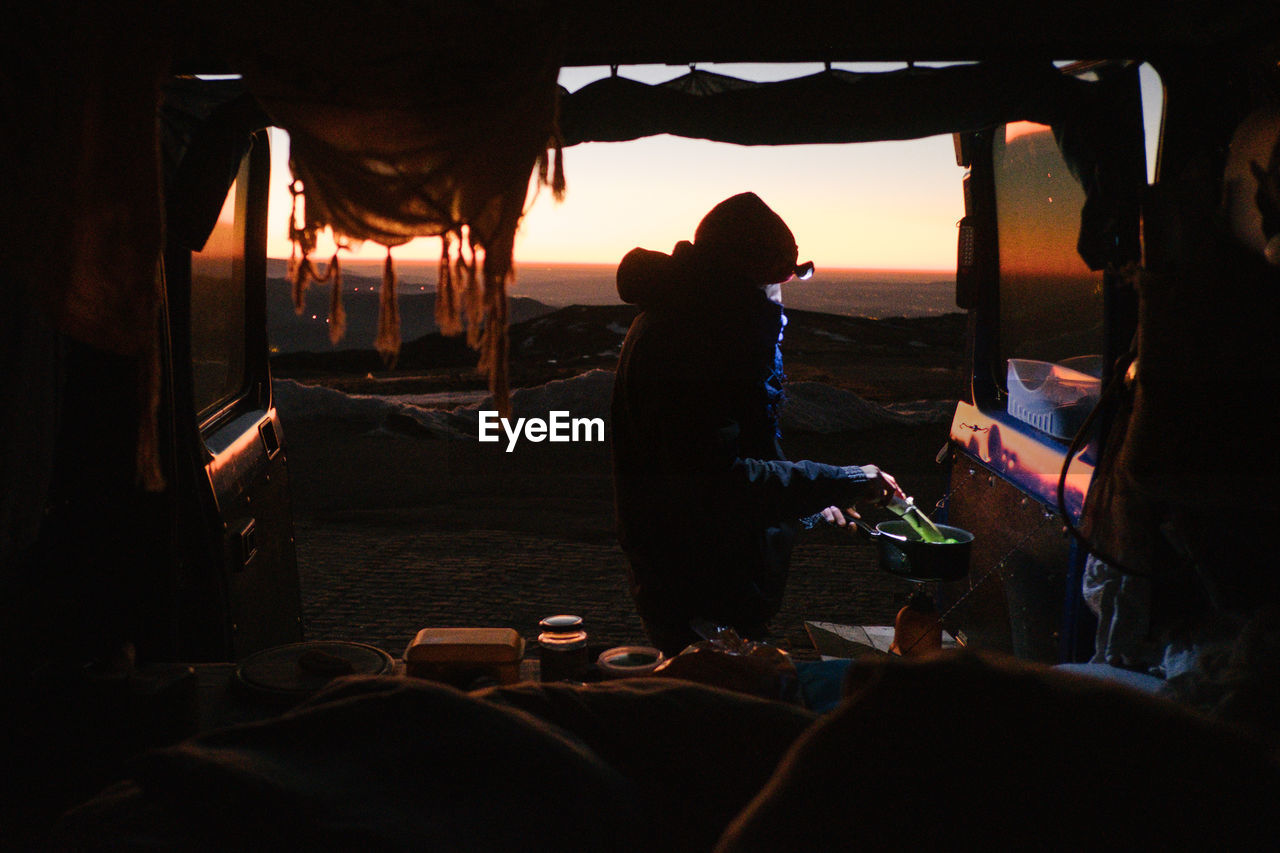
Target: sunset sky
[
  {"x": 884, "y": 205},
  {"x": 872, "y": 205}
]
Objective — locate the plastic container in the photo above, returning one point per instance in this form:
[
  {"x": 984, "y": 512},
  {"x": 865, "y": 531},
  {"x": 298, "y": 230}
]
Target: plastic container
[
  {"x": 1053, "y": 398},
  {"x": 628, "y": 661}
]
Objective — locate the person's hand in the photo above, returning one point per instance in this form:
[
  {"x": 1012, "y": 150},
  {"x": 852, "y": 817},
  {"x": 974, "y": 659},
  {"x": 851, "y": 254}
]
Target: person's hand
[
  {"x": 839, "y": 517},
  {"x": 880, "y": 486}
]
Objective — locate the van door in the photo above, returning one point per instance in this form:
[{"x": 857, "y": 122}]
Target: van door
[
  {"x": 238, "y": 581},
  {"x": 1047, "y": 327}
]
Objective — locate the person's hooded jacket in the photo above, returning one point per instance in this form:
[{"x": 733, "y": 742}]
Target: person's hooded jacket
[{"x": 707, "y": 505}]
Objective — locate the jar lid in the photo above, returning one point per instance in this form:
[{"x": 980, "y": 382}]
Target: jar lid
[
  {"x": 562, "y": 640},
  {"x": 561, "y": 624}
]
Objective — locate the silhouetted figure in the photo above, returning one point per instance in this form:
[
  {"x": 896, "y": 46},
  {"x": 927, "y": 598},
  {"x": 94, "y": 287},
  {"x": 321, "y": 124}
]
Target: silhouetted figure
[{"x": 707, "y": 505}]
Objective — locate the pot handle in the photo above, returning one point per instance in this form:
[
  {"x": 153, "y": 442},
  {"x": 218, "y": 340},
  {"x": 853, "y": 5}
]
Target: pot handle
[
  {"x": 814, "y": 520},
  {"x": 866, "y": 529}
]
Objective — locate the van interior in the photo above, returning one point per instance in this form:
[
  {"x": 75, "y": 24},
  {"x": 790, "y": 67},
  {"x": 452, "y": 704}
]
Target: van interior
[{"x": 1112, "y": 453}]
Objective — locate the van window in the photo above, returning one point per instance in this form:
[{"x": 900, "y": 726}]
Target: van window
[
  {"x": 218, "y": 298},
  {"x": 1050, "y": 301}
]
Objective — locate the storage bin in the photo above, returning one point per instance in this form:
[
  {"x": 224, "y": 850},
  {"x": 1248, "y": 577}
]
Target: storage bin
[{"x": 1053, "y": 398}]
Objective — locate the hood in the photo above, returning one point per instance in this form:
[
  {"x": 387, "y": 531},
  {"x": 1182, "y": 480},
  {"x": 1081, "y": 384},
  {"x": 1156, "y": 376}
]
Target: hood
[{"x": 739, "y": 246}]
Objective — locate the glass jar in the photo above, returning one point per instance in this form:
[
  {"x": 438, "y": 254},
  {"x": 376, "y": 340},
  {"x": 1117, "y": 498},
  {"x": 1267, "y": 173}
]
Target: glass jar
[{"x": 562, "y": 648}]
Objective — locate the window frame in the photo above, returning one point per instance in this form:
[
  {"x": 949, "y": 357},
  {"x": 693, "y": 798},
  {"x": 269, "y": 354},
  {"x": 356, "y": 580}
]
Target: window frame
[{"x": 254, "y": 393}]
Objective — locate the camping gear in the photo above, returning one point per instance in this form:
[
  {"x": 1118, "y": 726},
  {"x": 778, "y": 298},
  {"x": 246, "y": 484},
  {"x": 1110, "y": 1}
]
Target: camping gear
[
  {"x": 904, "y": 554},
  {"x": 464, "y": 657},
  {"x": 287, "y": 674},
  {"x": 917, "y": 629},
  {"x": 628, "y": 661},
  {"x": 906, "y": 509}
]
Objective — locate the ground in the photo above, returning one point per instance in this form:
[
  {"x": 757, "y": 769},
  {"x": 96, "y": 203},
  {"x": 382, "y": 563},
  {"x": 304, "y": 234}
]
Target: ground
[{"x": 396, "y": 532}]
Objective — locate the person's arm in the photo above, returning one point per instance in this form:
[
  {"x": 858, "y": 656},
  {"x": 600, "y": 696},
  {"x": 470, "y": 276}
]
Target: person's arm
[
  {"x": 778, "y": 489},
  {"x": 802, "y": 488}
]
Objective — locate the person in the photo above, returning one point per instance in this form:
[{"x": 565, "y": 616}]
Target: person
[{"x": 707, "y": 506}]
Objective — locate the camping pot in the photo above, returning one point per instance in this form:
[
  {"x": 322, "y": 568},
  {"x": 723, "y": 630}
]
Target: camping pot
[{"x": 904, "y": 554}]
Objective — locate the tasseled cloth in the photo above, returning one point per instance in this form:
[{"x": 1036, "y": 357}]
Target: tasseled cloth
[
  {"x": 387, "y": 342},
  {"x": 302, "y": 271},
  {"x": 403, "y": 134}
]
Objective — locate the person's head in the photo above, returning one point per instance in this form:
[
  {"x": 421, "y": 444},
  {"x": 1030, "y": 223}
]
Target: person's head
[
  {"x": 740, "y": 246},
  {"x": 743, "y": 238}
]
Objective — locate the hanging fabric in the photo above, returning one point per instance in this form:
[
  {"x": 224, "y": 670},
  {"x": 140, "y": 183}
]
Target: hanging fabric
[
  {"x": 411, "y": 128},
  {"x": 831, "y": 106}
]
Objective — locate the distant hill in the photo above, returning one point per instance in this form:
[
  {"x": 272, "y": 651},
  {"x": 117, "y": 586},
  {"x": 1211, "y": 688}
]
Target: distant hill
[
  {"x": 290, "y": 332},
  {"x": 882, "y": 360}
]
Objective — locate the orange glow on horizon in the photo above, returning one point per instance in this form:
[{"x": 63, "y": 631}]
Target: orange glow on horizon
[{"x": 888, "y": 205}]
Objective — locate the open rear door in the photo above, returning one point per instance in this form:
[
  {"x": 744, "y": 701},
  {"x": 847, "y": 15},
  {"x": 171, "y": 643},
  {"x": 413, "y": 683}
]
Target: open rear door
[
  {"x": 238, "y": 585},
  {"x": 1047, "y": 328}
]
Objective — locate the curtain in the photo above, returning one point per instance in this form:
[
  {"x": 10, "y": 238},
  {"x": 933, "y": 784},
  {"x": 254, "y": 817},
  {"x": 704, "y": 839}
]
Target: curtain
[
  {"x": 831, "y": 106},
  {"x": 410, "y": 120},
  {"x": 79, "y": 89}
]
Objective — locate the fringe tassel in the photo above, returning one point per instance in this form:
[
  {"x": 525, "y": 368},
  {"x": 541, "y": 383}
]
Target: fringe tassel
[
  {"x": 447, "y": 294},
  {"x": 494, "y": 346},
  {"x": 300, "y": 274},
  {"x": 551, "y": 167},
  {"x": 388, "y": 340},
  {"x": 558, "y": 185},
  {"x": 337, "y": 314},
  {"x": 474, "y": 296},
  {"x": 554, "y": 150},
  {"x": 303, "y": 242},
  {"x": 478, "y": 292}
]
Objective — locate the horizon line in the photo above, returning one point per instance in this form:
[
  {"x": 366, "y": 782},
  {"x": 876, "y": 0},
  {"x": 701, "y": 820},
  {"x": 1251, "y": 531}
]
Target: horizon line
[{"x": 518, "y": 264}]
